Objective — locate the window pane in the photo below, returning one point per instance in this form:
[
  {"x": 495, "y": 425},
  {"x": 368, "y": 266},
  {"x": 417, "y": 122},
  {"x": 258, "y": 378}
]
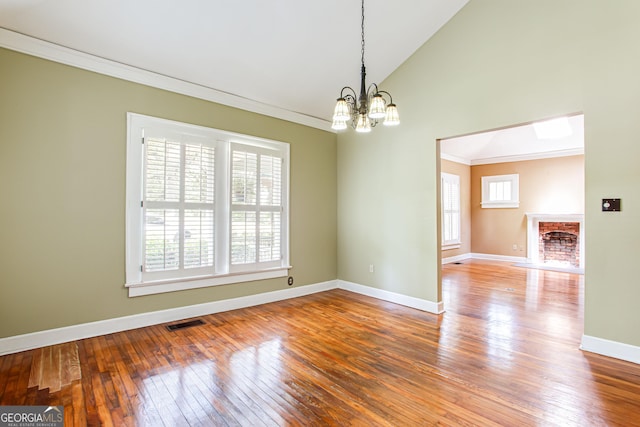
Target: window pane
[
  {"x": 199, "y": 174},
  {"x": 162, "y": 175},
  {"x": 244, "y": 178},
  {"x": 450, "y": 208},
  {"x": 507, "y": 190},
  {"x": 161, "y": 243},
  {"x": 455, "y": 197},
  {"x": 198, "y": 238},
  {"x": 243, "y": 237},
  {"x": 269, "y": 236},
  {"x": 446, "y": 227},
  {"x": 455, "y": 226},
  {"x": 493, "y": 195},
  {"x": 270, "y": 180},
  {"x": 446, "y": 195}
]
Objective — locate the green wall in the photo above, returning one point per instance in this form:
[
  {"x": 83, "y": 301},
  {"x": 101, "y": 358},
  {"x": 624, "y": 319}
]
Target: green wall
[
  {"x": 499, "y": 63},
  {"x": 62, "y": 189}
]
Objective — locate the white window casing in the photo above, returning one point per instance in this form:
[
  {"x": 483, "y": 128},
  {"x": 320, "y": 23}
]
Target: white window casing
[
  {"x": 501, "y": 191},
  {"x": 450, "y": 186},
  {"x": 184, "y": 229}
]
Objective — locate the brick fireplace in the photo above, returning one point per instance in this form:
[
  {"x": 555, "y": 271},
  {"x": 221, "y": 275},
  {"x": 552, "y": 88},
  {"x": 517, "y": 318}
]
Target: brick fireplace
[
  {"x": 558, "y": 243},
  {"x": 556, "y": 240}
]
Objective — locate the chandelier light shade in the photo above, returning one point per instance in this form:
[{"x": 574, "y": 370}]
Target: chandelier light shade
[{"x": 364, "y": 110}]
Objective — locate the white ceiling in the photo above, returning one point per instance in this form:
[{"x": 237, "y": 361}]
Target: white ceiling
[
  {"x": 513, "y": 144},
  {"x": 290, "y": 54}
]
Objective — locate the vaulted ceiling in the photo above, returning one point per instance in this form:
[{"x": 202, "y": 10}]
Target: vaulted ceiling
[{"x": 289, "y": 54}]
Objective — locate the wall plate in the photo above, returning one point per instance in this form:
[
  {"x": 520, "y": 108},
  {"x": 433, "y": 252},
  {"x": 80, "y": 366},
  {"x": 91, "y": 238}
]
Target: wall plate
[{"x": 610, "y": 205}]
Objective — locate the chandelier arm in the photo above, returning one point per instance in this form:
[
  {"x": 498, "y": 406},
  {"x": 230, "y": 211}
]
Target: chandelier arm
[
  {"x": 386, "y": 93},
  {"x": 369, "y": 92},
  {"x": 352, "y": 94},
  {"x": 359, "y": 106}
]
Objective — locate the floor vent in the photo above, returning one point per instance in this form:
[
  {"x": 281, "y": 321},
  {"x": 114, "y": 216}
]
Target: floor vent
[{"x": 183, "y": 325}]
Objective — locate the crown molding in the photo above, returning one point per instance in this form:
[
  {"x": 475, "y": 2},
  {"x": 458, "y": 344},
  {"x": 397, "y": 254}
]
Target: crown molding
[
  {"x": 63, "y": 55},
  {"x": 455, "y": 159},
  {"x": 529, "y": 156}
]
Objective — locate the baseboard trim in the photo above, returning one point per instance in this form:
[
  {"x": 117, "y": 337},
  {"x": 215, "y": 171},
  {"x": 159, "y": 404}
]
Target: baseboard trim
[
  {"x": 33, "y": 340},
  {"x": 417, "y": 303},
  {"x": 492, "y": 257},
  {"x": 486, "y": 257},
  {"x": 44, "y": 338},
  {"x": 457, "y": 258},
  {"x": 609, "y": 348}
]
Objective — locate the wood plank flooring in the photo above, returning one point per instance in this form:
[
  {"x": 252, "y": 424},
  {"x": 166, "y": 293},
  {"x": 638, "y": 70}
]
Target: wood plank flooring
[{"x": 505, "y": 353}]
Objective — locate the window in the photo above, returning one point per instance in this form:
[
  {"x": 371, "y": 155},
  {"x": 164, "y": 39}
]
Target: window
[
  {"x": 500, "y": 191},
  {"x": 204, "y": 207},
  {"x": 450, "y": 211}
]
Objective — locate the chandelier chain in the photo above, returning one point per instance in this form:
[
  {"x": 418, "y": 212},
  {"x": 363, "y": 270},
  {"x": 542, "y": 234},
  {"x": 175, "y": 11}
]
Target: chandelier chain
[
  {"x": 362, "y": 33},
  {"x": 366, "y": 109}
]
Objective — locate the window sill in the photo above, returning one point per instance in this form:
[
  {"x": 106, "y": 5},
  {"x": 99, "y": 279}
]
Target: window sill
[
  {"x": 451, "y": 246},
  {"x": 158, "y": 287},
  {"x": 500, "y": 205}
]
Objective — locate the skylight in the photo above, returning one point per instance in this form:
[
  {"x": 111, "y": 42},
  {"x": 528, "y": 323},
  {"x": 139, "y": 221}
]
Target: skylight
[{"x": 553, "y": 129}]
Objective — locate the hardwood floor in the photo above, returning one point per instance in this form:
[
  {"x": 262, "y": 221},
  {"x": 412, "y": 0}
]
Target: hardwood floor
[{"x": 505, "y": 353}]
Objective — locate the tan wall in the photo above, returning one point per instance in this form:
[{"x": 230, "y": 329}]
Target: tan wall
[
  {"x": 464, "y": 172},
  {"x": 553, "y": 185},
  {"x": 62, "y": 187}
]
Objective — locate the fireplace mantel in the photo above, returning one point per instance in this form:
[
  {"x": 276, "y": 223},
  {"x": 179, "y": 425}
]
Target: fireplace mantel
[{"x": 533, "y": 221}]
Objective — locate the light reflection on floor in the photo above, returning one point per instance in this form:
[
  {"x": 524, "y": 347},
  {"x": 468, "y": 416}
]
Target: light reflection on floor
[{"x": 514, "y": 317}]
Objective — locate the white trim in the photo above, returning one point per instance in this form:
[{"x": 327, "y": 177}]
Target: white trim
[
  {"x": 492, "y": 257},
  {"x": 451, "y": 246},
  {"x": 457, "y": 258},
  {"x": 140, "y": 127},
  {"x": 455, "y": 159},
  {"x": 485, "y": 257},
  {"x": 38, "y": 339},
  {"x": 52, "y": 52},
  {"x": 529, "y": 156},
  {"x": 514, "y": 197},
  {"x": 417, "y": 303},
  {"x": 87, "y": 330},
  {"x": 622, "y": 351},
  {"x": 451, "y": 211},
  {"x": 140, "y": 289}
]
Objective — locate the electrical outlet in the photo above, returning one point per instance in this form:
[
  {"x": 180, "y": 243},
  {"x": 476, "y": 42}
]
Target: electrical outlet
[
  {"x": 515, "y": 247},
  {"x": 290, "y": 281},
  {"x": 371, "y": 269}
]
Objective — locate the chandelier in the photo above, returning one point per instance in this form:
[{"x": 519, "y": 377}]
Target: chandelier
[{"x": 365, "y": 110}]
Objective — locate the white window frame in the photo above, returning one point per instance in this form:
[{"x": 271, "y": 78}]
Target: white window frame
[
  {"x": 449, "y": 211},
  {"x": 509, "y": 200},
  {"x": 139, "y": 283}
]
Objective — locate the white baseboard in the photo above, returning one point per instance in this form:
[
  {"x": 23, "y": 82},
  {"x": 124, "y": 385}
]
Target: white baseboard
[
  {"x": 609, "y": 348},
  {"x": 33, "y": 340},
  {"x": 487, "y": 257},
  {"x": 420, "y": 304},
  {"x": 492, "y": 257},
  {"x": 457, "y": 258},
  {"x": 38, "y": 339}
]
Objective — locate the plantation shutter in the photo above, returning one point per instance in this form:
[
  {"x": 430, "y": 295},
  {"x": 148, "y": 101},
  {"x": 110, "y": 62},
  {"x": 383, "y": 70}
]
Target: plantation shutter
[
  {"x": 450, "y": 209},
  {"x": 178, "y": 205},
  {"x": 256, "y": 207}
]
